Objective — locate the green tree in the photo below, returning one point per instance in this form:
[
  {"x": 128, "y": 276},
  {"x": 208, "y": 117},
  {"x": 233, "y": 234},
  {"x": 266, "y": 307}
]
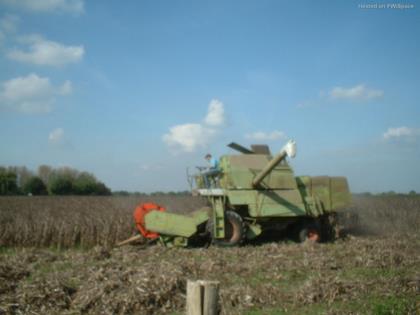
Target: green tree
[
  {"x": 8, "y": 182},
  {"x": 35, "y": 186},
  {"x": 23, "y": 174},
  {"x": 102, "y": 189},
  {"x": 85, "y": 184},
  {"x": 61, "y": 185},
  {"x": 45, "y": 172},
  {"x": 121, "y": 193},
  {"x": 59, "y": 181}
]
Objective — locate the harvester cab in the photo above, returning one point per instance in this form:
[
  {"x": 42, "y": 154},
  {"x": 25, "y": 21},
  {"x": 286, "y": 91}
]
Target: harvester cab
[{"x": 253, "y": 192}]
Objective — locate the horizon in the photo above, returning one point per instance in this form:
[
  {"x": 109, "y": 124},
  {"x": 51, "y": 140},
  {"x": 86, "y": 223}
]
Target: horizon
[{"x": 136, "y": 93}]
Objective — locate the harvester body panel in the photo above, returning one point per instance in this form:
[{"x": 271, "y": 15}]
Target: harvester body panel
[
  {"x": 333, "y": 192},
  {"x": 238, "y": 172},
  {"x": 269, "y": 203},
  {"x": 174, "y": 224}
]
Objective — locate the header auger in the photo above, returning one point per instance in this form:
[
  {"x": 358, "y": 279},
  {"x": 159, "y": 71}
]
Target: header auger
[{"x": 253, "y": 193}]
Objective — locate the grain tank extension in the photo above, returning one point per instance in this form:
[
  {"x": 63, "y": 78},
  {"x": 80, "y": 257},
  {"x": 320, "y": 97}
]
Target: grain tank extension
[{"x": 254, "y": 194}]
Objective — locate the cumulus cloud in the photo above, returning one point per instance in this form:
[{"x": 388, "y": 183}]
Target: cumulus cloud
[
  {"x": 190, "y": 136},
  {"x": 46, "y": 52},
  {"x": 56, "y": 136},
  {"x": 401, "y": 132},
  {"x": 266, "y": 136},
  {"x": 357, "y": 93},
  {"x": 216, "y": 114},
  {"x": 47, "y": 6},
  {"x": 31, "y": 94},
  {"x": 65, "y": 89}
]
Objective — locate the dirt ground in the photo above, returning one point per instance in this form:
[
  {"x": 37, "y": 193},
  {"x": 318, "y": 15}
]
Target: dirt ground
[{"x": 373, "y": 269}]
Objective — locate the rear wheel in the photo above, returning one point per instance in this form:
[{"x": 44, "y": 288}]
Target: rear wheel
[
  {"x": 309, "y": 232},
  {"x": 235, "y": 230},
  {"x": 329, "y": 227}
]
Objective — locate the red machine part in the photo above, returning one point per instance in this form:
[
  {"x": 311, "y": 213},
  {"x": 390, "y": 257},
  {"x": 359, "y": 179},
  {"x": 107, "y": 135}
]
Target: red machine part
[
  {"x": 139, "y": 216},
  {"x": 313, "y": 235}
]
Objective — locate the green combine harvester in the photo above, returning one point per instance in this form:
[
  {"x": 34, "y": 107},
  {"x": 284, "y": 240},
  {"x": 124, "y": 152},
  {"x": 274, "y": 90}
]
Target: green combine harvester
[{"x": 254, "y": 194}]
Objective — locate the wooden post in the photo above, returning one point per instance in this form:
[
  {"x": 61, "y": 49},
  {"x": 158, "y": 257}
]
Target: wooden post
[
  {"x": 202, "y": 297},
  {"x": 211, "y": 297},
  {"x": 194, "y": 298}
]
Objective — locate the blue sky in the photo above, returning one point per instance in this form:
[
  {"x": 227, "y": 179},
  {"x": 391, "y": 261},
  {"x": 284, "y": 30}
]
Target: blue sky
[{"x": 137, "y": 91}]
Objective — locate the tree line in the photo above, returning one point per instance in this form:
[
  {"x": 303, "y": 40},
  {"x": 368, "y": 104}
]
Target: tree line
[
  {"x": 155, "y": 193},
  {"x": 391, "y": 193},
  {"x": 19, "y": 180}
]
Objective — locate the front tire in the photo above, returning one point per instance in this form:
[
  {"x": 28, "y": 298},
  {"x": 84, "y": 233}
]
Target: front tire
[{"x": 235, "y": 230}]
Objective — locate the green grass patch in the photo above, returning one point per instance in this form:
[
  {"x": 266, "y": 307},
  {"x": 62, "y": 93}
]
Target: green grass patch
[
  {"x": 370, "y": 273},
  {"x": 8, "y": 251},
  {"x": 395, "y": 306},
  {"x": 372, "y": 305}
]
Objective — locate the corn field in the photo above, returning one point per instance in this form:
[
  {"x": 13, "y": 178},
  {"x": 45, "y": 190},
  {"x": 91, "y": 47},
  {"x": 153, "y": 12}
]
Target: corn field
[{"x": 65, "y": 222}]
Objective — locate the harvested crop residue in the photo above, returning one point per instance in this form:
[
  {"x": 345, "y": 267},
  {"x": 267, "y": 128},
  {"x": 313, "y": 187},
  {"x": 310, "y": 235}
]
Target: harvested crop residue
[
  {"x": 152, "y": 280},
  {"x": 56, "y": 257}
]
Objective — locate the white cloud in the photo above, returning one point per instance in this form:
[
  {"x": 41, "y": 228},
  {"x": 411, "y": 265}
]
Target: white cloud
[
  {"x": 151, "y": 167},
  {"x": 216, "y": 113},
  {"x": 46, "y": 52},
  {"x": 190, "y": 136},
  {"x": 266, "y": 136},
  {"x": 66, "y": 88},
  {"x": 56, "y": 136},
  {"x": 357, "y": 93},
  {"x": 401, "y": 132},
  {"x": 31, "y": 94},
  {"x": 46, "y": 6}
]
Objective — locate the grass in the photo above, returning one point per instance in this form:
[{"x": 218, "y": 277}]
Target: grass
[
  {"x": 371, "y": 305},
  {"x": 371, "y": 273}
]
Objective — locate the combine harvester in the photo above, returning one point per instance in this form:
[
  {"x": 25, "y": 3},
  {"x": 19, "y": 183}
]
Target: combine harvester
[{"x": 254, "y": 194}]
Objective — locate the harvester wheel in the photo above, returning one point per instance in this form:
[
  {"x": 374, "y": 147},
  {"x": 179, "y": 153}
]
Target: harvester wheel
[
  {"x": 329, "y": 227},
  {"x": 309, "y": 232},
  {"x": 235, "y": 230}
]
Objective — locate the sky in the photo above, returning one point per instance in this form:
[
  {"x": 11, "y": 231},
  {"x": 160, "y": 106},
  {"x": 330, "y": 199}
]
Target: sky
[{"x": 138, "y": 91}]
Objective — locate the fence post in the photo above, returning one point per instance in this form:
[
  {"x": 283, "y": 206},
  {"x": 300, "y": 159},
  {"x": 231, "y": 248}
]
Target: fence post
[{"x": 202, "y": 297}]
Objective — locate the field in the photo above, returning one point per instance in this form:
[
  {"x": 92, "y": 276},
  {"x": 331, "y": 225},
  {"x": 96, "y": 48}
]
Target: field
[{"x": 57, "y": 257}]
